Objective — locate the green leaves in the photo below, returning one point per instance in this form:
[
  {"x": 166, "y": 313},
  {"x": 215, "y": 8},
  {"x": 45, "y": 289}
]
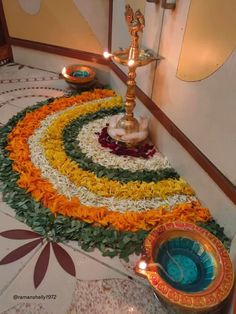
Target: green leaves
[{"x": 109, "y": 241}]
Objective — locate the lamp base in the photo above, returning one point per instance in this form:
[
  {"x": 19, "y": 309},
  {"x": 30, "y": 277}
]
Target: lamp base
[
  {"x": 128, "y": 130},
  {"x": 129, "y": 124}
]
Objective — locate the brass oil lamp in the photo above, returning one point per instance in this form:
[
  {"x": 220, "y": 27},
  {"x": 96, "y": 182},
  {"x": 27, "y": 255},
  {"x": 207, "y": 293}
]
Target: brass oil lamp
[{"x": 129, "y": 130}]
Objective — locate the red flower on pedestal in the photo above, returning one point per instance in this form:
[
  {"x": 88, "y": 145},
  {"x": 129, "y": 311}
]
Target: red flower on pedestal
[{"x": 144, "y": 150}]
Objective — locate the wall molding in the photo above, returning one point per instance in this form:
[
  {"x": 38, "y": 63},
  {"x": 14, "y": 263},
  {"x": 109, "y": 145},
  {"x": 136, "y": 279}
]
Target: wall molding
[
  {"x": 62, "y": 51},
  {"x": 214, "y": 173}
]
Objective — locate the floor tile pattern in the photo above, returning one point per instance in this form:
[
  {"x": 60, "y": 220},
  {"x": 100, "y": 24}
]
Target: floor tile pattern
[{"x": 108, "y": 296}]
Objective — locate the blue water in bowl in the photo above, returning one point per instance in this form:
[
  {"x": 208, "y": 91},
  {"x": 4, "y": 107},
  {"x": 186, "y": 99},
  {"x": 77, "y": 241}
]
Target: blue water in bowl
[
  {"x": 79, "y": 74},
  {"x": 188, "y": 266}
]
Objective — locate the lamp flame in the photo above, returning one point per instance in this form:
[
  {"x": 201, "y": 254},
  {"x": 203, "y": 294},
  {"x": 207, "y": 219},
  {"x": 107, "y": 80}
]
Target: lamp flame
[
  {"x": 63, "y": 71},
  {"x": 142, "y": 265},
  {"x": 130, "y": 62},
  {"x": 106, "y": 54}
]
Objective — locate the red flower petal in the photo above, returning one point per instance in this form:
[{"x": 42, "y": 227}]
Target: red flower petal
[
  {"x": 19, "y": 234},
  {"x": 144, "y": 150},
  {"x": 64, "y": 259},
  {"x": 20, "y": 252},
  {"x": 41, "y": 265}
]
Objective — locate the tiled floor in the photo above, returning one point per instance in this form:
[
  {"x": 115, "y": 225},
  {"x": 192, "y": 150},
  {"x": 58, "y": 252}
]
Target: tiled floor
[{"x": 79, "y": 282}]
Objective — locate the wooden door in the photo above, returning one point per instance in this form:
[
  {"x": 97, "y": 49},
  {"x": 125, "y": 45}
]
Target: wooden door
[{"x": 5, "y": 49}]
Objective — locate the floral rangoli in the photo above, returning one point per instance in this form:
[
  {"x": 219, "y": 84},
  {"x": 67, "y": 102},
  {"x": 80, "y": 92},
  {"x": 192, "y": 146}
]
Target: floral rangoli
[{"x": 68, "y": 180}]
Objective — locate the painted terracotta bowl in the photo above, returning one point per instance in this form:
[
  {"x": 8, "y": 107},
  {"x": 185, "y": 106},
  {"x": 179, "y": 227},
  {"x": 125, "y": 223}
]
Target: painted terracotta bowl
[
  {"x": 78, "y": 74},
  {"x": 187, "y": 266}
]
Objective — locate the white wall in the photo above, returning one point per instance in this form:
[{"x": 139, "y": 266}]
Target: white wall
[
  {"x": 205, "y": 111},
  {"x": 97, "y": 17}
]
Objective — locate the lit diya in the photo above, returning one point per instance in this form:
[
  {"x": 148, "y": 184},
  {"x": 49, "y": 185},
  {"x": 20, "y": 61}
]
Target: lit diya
[
  {"x": 187, "y": 266},
  {"x": 77, "y": 75}
]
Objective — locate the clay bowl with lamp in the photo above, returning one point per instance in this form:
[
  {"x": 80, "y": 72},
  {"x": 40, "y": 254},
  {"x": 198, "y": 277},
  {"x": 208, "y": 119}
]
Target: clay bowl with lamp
[
  {"x": 79, "y": 76},
  {"x": 188, "y": 268}
]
